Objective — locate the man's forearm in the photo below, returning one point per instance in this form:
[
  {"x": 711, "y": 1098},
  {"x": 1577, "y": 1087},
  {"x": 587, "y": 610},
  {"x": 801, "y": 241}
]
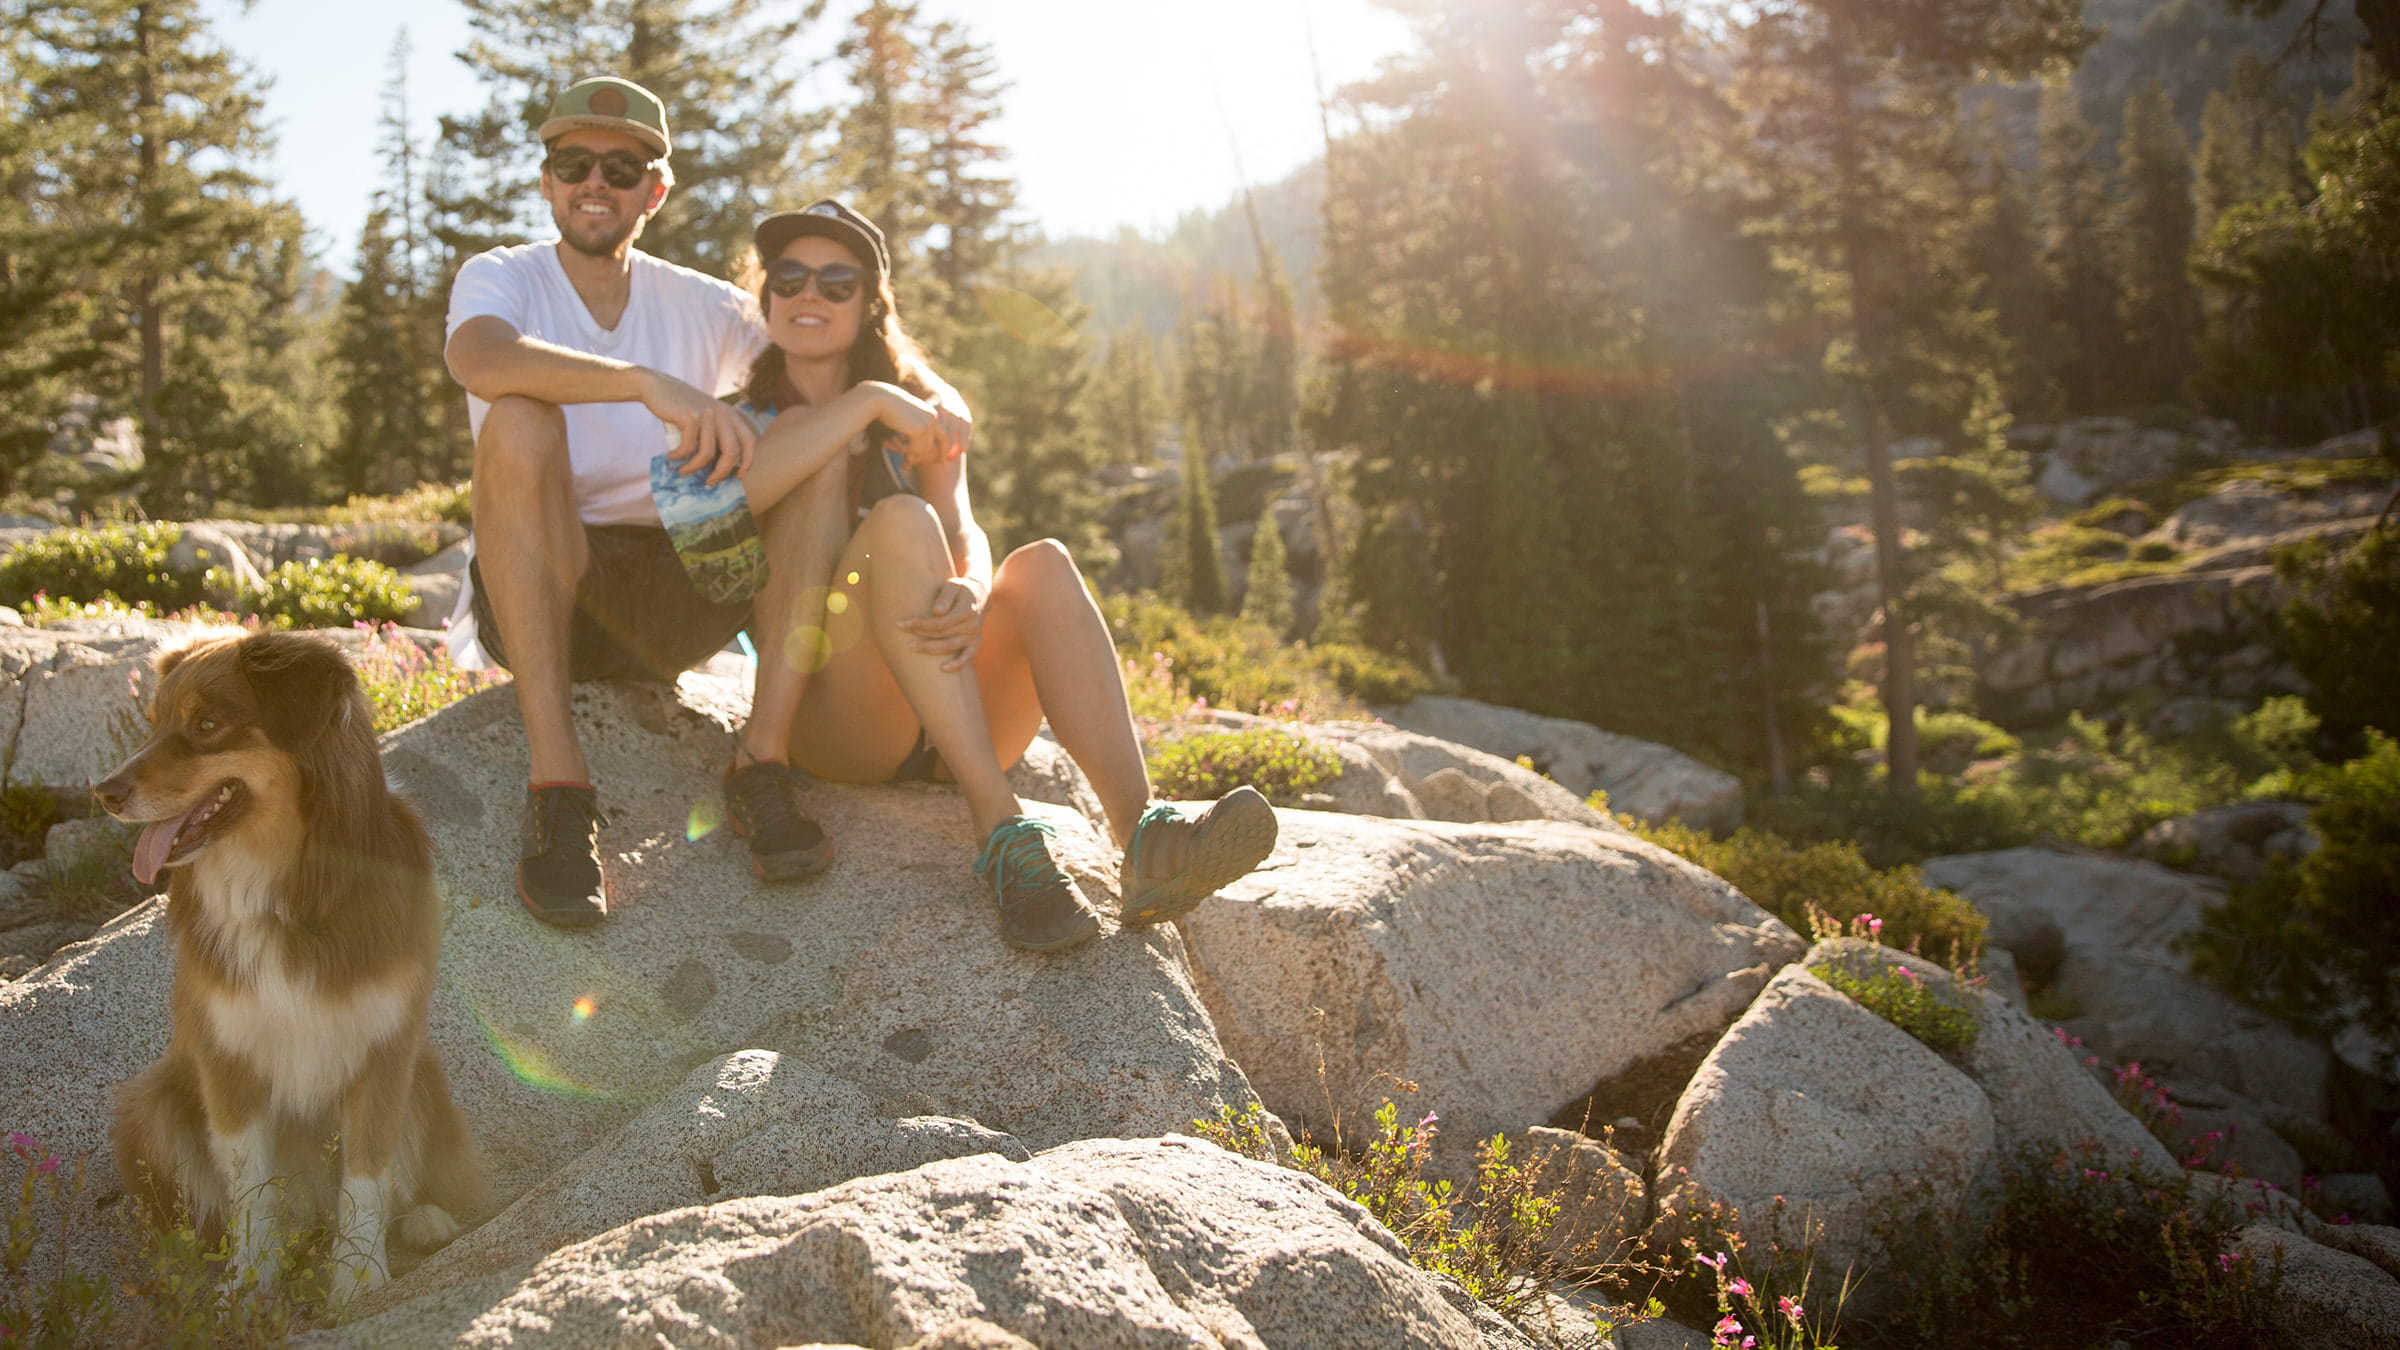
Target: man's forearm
[{"x": 495, "y": 361}]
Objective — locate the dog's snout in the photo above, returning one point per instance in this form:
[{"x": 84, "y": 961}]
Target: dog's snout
[{"x": 112, "y": 792}]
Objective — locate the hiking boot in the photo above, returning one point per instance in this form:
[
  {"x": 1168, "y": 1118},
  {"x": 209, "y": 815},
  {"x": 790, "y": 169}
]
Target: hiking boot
[
  {"x": 1040, "y": 908},
  {"x": 1178, "y": 858},
  {"x": 558, "y": 863},
  {"x": 762, "y": 800}
]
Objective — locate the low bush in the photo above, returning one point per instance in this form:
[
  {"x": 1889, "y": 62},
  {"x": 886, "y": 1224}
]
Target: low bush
[
  {"x": 2320, "y": 943},
  {"x": 405, "y": 682},
  {"x": 329, "y": 593},
  {"x": 2095, "y": 782},
  {"x": 124, "y": 563},
  {"x": 2084, "y": 1251},
  {"x": 1205, "y": 765},
  {"x": 1228, "y": 663},
  {"x": 1895, "y": 994},
  {"x": 1492, "y": 1238},
  {"x": 1795, "y": 882}
]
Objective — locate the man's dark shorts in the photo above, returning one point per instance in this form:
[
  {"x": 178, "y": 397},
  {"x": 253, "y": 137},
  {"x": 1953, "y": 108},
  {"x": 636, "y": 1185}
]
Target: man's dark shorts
[{"x": 637, "y": 616}]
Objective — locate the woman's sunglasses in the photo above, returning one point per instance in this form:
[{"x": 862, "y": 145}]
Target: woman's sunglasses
[
  {"x": 620, "y": 169},
  {"x": 837, "y": 282}
]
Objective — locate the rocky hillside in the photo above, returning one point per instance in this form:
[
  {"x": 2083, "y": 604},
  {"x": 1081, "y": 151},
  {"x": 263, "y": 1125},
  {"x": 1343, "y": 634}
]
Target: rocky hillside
[{"x": 848, "y": 1115}]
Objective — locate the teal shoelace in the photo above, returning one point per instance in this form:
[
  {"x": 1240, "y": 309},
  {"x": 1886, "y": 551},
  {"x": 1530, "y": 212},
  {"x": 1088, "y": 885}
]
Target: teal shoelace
[{"x": 1020, "y": 849}]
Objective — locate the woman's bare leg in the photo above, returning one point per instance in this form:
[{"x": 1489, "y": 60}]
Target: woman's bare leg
[
  {"x": 848, "y": 726},
  {"x": 802, "y": 537},
  {"x": 1046, "y": 649}
]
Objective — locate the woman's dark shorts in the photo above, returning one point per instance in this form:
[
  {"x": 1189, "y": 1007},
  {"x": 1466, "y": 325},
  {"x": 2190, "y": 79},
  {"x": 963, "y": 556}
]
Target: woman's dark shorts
[{"x": 637, "y": 616}]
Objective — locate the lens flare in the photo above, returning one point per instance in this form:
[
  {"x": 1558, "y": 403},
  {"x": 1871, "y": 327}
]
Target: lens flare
[
  {"x": 807, "y": 649},
  {"x": 531, "y": 1065},
  {"x": 1024, "y": 318},
  {"x": 854, "y": 578},
  {"x": 707, "y": 815},
  {"x": 837, "y": 603},
  {"x": 585, "y": 1007}
]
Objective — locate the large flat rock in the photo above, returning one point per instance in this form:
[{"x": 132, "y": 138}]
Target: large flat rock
[
  {"x": 887, "y": 974},
  {"x": 1161, "y": 1244},
  {"x": 1504, "y": 968}
]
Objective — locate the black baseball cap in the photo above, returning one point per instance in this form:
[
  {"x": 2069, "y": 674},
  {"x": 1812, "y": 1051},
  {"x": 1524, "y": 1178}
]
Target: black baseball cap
[{"x": 827, "y": 218}]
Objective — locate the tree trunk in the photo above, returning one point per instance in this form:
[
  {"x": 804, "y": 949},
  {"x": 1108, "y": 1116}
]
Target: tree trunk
[{"x": 1867, "y": 340}]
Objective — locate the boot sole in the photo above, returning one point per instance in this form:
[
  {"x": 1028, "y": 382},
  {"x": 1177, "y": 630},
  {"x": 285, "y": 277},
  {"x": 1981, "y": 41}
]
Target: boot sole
[{"x": 1238, "y": 838}]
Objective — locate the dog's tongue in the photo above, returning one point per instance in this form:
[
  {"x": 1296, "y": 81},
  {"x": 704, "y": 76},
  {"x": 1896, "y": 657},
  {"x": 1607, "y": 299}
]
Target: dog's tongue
[{"x": 150, "y": 851}]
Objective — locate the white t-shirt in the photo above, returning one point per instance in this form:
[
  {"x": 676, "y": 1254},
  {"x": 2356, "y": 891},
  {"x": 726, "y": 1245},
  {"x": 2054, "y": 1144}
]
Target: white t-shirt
[
  {"x": 702, "y": 331},
  {"x": 694, "y": 327}
]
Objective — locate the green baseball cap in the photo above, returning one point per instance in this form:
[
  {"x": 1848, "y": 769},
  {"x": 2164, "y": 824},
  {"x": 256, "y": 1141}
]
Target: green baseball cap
[{"x": 606, "y": 103}]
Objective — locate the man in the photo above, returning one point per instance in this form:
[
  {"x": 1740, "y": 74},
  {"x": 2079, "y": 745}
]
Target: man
[{"x": 584, "y": 358}]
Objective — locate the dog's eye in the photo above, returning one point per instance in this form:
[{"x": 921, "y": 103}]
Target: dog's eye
[{"x": 208, "y": 726}]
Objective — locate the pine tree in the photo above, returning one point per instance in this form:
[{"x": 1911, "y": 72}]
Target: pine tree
[
  {"x": 2088, "y": 357},
  {"x": 47, "y": 348},
  {"x": 2248, "y": 144},
  {"x": 1215, "y": 369},
  {"x": 191, "y": 269},
  {"x": 1192, "y": 570},
  {"x": 1129, "y": 398},
  {"x": 2006, "y": 262},
  {"x": 1852, "y": 103},
  {"x": 1267, "y": 582},
  {"x": 1033, "y": 456},
  {"x": 2153, "y": 236},
  {"x": 723, "y": 70},
  {"x": 387, "y": 342}
]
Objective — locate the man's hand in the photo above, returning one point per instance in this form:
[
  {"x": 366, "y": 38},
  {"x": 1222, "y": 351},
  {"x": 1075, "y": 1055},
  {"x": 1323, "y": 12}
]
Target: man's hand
[
  {"x": 711, "y": 436},
  {"x": 953, "y": 628},
  {"x": 954, "y": 431}
]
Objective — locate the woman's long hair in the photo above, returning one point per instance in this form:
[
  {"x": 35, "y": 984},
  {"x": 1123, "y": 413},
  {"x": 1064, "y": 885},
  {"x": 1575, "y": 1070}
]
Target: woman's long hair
[{"x": 884, "y": 351}]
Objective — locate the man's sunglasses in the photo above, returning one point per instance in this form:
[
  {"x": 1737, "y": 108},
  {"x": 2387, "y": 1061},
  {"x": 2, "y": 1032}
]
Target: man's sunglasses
[
  {"x": 837, "y": 282},
  {"x": 620, "y": 169}
]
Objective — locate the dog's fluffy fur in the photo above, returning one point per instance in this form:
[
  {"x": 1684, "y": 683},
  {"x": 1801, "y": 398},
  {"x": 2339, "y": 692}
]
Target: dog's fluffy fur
[{"x": 306, "y": 927}]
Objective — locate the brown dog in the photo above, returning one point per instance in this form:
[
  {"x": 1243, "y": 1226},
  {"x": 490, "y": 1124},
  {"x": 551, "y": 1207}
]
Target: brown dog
[{"x": 307, "y": 927}]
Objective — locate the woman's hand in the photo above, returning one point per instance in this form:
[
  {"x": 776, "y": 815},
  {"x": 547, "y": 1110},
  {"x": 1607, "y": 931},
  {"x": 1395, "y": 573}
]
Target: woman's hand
[
  {"x": 953, "y": 628},
  {"x": 917, "y": 423}
]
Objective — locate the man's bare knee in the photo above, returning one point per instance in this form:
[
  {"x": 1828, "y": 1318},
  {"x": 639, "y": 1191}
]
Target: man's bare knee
[{"x": 522, "y": 435}]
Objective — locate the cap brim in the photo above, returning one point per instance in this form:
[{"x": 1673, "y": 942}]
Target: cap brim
[
  {"x": 560, "y": 126},
  {"x": 776, "y": 233}
]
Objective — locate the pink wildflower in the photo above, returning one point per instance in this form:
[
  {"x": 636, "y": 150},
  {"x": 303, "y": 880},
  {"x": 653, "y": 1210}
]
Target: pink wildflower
[
  {"x": 1738, "y": 1287},
  {"x": 1790, "y": 1307},
  {"x": 1874, "y": 925},
  {"x": 1716, "y": 1262},
  {"x": 1726, "y": 1327}
]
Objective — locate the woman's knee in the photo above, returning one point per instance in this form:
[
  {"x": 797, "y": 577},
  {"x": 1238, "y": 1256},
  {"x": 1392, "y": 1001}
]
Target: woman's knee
[
  {"x": 1044, "y": 561},
  {"x": 899, "y": 521}
]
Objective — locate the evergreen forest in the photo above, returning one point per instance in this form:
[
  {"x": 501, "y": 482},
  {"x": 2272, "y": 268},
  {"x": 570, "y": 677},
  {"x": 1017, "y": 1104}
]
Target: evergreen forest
[{"x": 1590, "y": 320}]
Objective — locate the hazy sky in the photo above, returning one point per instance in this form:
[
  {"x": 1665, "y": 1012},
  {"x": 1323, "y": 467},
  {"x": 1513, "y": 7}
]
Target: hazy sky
[{"x": 1119, "y": 112}]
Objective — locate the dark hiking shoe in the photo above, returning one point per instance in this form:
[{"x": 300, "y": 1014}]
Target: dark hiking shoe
[
  {"x": 762, "y": 800},
  {"x": 1040, "y": 908},
  {"x": 558, "y": 862},
  {"x": 1180, "y": 857}
]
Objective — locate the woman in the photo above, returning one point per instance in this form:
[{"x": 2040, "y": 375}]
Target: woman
[{"x": 937, "y": 661}]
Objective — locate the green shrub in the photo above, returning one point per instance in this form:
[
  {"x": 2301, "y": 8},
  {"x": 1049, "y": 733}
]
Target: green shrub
[
  {"x": 1787, "y": 879},
  {"x": 405, "y": 682},
  {"x": 2084, "y": 1251},
  {"x": 2324, "y": 936},
  {"x": 127, "y": 563},
  {"x": 1894, "y": 993},
  {"x": 1491, "y": 1239},
  {"x": 2341, "y": 627},
  {"x": 1206, "y": 765},
  {"x": 325, "y": 593},
  {"x": 1248, "y": 667},
  {"x": 2081, "y": 783}
]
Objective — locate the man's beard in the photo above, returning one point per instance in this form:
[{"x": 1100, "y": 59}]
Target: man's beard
[{"x": 605, "y": 246}]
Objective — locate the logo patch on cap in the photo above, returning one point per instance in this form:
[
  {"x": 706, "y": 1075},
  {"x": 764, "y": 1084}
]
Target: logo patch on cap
[
  {"x": 608, "y": 102},
  {"x": 823, "y": 209}
]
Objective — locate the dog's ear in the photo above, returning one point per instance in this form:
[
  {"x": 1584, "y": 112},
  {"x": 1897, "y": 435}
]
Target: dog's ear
[{"x": 300, "y": 683}]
